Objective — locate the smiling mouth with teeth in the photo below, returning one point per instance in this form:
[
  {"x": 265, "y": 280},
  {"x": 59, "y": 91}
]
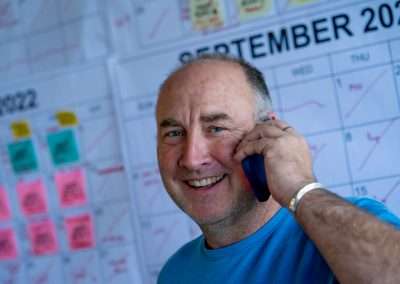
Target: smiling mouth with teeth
[{"x": 204, "y": 182}]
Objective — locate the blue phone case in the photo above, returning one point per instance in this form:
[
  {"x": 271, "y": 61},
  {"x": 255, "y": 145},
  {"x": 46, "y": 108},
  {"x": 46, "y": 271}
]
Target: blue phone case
[{"x": 254, "y": 169}]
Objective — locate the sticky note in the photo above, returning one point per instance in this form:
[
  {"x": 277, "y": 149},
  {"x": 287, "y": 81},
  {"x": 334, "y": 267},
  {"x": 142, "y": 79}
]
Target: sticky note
[
  {"x": 71, "y": 187},
  {"x": 32, "y": 197},
  {"x": 301, "y": 2},
  {"x": 8, "y": 244},
  {"x": 43, "y": 238},
  {"x": 205, "y": 14},
  {"x": 20, "y": 129},
  {"x": 5, "y": 212},
  {"x": 252, "y": 9},
  {"x": 80, "y": 232},
  {"x": 63, "y": 147},
  {"x": 22, "y": 156},
  {"x": 66, "y": 118}
]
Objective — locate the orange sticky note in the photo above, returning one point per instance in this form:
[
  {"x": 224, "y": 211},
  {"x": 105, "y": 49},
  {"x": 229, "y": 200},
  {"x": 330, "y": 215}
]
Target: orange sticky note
[
  {"x": 43, "y": 237},
  {"x": 32, "y": 197},
  {"x": 5, "y": 212},
  {"x": 71, "y": 187},
  {"x": 80, "y": 231},
  {"x": 8, "y": 244}
]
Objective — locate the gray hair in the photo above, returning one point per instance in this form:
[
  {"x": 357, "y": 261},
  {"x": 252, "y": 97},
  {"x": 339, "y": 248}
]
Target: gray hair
[{"x": 254, "y": 77}]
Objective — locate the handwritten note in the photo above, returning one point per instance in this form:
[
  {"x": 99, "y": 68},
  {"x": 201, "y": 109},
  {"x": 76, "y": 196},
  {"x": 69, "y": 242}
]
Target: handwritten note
[
  {"x": 43, "y": 237},
  {"x": 5, "y": 212},
  {"x": 20, "y": 129},
  {"x": 32, "y": 197},
  {"x": 66, "y": 118},
  {"x": 71, "y": 187},
  {"x": 22, "y": 156},
  {"x": 8, "y": 244},
  {"x": 63, "y": 147},
  {"x": 253, "y": 8},
  {"x": 206, "y": 14},
  {"x": 80, "y": 231}
]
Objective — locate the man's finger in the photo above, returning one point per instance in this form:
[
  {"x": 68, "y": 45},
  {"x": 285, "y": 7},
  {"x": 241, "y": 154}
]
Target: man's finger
[{"x": 253, "y": 147}]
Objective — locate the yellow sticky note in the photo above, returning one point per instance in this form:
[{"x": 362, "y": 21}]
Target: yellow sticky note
[
  {"x": 301, "y": 2},
  {"x": 20, "y": 129},
  {"x": 250, "y": 9},
  {"x": 206, "y": 14},
  {"x": 67, "y": 118}
]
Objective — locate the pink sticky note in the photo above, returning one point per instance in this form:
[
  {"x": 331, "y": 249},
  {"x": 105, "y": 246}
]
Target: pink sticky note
[
  {"x": 5, "y": 212},
  {"x": 80, "y": 231},
  {"x": 71, "y": 187},
  {"x": 32, "y": 197},
  {"x": 43, "y": 237},
  {"x": 8, "y": 244}
]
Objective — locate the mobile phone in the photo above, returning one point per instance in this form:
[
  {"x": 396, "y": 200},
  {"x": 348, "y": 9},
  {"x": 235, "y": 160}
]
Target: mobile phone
[{"x": 254, "y": 170}]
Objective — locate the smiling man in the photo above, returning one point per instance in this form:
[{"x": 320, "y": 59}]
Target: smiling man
[{"x": 212, "y": 113}]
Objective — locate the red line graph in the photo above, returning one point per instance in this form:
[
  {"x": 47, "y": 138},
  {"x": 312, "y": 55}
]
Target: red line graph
[
  {"x": 7, "y": 20},
  {"x": 99, "y": 138},
  {"x": 26, "y": 60},
  {"x": 118, "y": 218},
  {"x": 166, "y": 234},
  {"x": 363, "y": 95},
  {"x": 158, "y": 23},
  {"x": 119, "y": 265},
  {"x": 13, "y": 270},
  {"x": 390, "y": 192},
  {"x": 310, "y": 103},
  {"x": 43, "y": 277},
  {"x": 81, "y": 273},
  {"x": 376, "y": 140}
]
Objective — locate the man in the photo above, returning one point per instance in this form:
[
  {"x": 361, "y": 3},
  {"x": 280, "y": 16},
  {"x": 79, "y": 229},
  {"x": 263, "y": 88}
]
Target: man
[{"x": 212, "y": 113}]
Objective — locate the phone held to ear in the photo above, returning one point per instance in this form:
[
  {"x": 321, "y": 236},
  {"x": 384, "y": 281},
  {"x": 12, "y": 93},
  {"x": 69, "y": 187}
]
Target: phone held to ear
[{"x": 254, "y": 170}]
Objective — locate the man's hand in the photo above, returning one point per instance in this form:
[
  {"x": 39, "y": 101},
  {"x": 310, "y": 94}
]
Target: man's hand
[{"x": 287, "y": 158}]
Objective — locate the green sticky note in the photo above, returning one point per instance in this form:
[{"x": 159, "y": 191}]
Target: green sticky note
[
  {"x": 22, "y": 156},
  {"x": 63, "y": 148}
]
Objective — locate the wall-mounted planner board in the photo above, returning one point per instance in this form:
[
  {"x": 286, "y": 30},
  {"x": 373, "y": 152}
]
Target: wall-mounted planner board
[
  {"x": 333, "y": 68},
  {"x": 81, "y": 199}
]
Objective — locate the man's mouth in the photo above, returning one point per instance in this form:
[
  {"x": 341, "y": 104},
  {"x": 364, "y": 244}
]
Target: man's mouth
[{"x": 205, "y": 182}]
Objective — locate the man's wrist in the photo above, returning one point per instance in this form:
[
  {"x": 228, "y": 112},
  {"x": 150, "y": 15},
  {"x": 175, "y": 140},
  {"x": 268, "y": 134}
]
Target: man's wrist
[{"x": 295, "y": 200}]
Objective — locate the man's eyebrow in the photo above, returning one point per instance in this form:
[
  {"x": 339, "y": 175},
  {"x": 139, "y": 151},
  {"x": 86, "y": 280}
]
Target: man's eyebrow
[
  {"x": 213, "y": 117},
  {"x": 169, "y": 122}
]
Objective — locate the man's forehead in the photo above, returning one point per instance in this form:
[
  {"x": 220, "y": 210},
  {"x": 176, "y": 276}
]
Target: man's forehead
[
  {"x": 205, "y": 87},
  {"x": 212, "y": 69}
]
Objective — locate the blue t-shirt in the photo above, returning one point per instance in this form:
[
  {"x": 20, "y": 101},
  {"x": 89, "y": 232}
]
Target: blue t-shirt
[{"x": 278, "y": 252}]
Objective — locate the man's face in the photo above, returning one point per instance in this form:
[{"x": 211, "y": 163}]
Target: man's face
[{"x": 202, "y": 113}]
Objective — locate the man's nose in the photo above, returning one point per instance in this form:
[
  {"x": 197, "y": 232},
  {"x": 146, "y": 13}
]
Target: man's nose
[{"x": 195, "y": 154}]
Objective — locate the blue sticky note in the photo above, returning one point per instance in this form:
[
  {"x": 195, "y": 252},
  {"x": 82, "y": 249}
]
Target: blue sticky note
[
  {"x": 22, "y": 156},
  {"x": 63, "y": 148}
]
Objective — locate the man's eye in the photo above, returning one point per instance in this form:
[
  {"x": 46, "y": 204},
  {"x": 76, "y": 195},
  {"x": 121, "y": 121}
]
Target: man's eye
[
  {"x": 216, "y": 129},
  {"x": 174, "y": 133}
]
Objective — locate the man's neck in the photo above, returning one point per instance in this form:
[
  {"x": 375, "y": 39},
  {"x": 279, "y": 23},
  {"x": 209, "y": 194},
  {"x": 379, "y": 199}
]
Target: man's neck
[{"x": 227, "y": 233}]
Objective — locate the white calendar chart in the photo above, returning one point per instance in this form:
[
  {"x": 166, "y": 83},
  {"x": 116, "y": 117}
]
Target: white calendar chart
[
  {"x": 81, "y": 198},
  {"x": 44, "y": 35},
  {"x": 65, "y": 214},
  {"x": 333, "y": 68}
]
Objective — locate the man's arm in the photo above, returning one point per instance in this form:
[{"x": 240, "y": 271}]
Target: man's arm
[{"x": 357, "y": 246}]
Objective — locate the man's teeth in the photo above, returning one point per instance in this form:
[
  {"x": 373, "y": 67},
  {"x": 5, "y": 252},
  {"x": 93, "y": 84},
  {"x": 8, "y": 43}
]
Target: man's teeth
[{"x": 205, "y": 181}]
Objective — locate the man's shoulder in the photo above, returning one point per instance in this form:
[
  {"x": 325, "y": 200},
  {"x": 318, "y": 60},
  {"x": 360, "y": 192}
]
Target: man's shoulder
[{"x": 181, "y": 257}]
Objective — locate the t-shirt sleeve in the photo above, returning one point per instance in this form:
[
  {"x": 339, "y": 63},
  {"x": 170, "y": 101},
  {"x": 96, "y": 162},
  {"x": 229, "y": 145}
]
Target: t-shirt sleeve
[{"x": 376, "y": 208}]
